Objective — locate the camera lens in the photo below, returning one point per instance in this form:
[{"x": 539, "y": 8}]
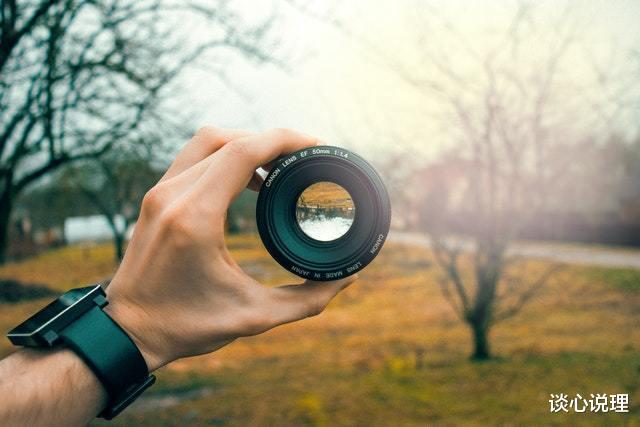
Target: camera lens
[{"x": 323, "y": 213}]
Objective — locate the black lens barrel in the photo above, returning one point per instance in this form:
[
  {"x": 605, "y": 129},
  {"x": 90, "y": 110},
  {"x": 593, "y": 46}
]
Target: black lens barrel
[{"x": 285, "y": 240}]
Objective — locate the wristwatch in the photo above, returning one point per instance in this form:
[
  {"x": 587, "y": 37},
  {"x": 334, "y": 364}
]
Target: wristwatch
[{"x": 76, "y": 320}]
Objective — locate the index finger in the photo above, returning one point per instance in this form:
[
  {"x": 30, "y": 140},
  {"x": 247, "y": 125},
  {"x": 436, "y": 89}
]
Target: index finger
[
  {"x": 206, "y": 141},
  {"x": 233, "y": 165}
]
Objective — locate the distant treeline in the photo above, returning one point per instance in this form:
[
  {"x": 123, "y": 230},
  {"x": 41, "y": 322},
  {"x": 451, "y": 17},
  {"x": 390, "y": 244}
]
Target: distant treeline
[
  {"x": 576, "y": 229},
  {"x": 565, "y": 227}
]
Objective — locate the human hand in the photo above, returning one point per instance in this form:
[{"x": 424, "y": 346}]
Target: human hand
[{"x": 178, "y": 292}]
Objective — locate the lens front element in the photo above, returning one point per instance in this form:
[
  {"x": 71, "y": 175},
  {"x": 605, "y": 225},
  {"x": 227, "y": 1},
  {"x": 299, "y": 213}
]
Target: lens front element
[{"x": 325, "y": 211}]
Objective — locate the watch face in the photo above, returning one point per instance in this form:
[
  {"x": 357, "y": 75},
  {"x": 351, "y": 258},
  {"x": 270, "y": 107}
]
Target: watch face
[
  {"x": 54, "y": 317},
  {"x": 30, "y": 325}
]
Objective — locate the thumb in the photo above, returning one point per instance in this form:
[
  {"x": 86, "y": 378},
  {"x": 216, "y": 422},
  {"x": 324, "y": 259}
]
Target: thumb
[{"x": 295, "y": 302}]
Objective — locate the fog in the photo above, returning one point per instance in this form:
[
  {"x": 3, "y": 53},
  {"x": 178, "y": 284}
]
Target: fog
[{"x": 341, "y": 82}]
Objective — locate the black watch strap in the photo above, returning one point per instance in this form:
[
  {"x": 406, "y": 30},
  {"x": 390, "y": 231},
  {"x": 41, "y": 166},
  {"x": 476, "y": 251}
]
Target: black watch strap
[{"x": 112, "y": 356}]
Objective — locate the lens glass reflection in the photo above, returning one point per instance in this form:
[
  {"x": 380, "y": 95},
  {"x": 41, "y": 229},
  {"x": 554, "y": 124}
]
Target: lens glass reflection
[{"x": 325, "y": 211}]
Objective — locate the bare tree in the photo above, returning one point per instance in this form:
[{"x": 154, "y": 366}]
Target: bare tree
[
  {"x": 509, "y": 104},
  {"x": 114, "y": 185},
  {"x": 80, "y": 77},
  {"x": 513, "y": 120}
]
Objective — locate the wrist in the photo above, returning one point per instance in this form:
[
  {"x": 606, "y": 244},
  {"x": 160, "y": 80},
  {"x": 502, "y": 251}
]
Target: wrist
[{"x": 139, "y": 330}]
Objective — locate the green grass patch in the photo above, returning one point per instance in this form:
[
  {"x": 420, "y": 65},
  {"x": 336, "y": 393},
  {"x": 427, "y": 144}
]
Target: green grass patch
[{"x": 624, "y": 279}]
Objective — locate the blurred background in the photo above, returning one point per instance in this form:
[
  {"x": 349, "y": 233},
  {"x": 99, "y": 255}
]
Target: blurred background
[{"x": 507, "y": 133}]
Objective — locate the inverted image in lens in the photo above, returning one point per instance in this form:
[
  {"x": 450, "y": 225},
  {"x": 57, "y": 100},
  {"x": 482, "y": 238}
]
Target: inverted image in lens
[{"x": 325, "y": 211}]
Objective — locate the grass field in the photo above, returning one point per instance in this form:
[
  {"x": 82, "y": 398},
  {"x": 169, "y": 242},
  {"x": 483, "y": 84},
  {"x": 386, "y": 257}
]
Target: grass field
[
  {"x": 325, "y": 194},
  {"x": 389, "y": 351}
]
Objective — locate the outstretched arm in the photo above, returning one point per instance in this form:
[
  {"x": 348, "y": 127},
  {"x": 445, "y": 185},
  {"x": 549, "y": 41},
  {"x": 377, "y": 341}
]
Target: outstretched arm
[
  {"x": 178, "y": 292},
  {"x": 48, "y": 388}
]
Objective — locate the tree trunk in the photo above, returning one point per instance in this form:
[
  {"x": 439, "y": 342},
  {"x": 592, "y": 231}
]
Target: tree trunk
[
  {"x": 5, "y": 214},
  {"x": 118, "y": 244},
  {"x": 118, "y": 236},
  {"x": 480, "y": 332}
]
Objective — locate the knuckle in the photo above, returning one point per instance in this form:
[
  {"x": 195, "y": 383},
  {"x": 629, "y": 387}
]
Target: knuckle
[
  {"x": 283, "y": 133},
  {"x": 152, "y": 201},
  {"x": 210, "y": 137},
  {"x": 176, "y": 223},
  {"x": 207, "y": 133}
]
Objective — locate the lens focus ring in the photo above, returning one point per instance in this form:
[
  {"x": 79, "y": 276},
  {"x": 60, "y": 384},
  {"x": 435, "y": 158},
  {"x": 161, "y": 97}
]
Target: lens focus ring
[{"x": 293, "y": 248}]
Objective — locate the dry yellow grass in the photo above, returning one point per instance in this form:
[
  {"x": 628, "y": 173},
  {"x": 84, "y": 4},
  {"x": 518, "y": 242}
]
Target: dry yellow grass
[
  {"x": 326, "y": 195},
  {"x": 390, "y": 351},
  {"x": 65, "y": 268}
]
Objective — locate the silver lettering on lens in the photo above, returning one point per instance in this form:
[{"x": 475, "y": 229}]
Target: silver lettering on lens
[
  {"x": 288, "y": 161},
  {"x": 377, "y": 244},
  {"x": 354, "y": 267},
  {"x": 334, "y": 275},
  {"x": 320, "y": 151},
  {"x": 272, "y": 177},
  {"x": 341, "y": 153},
  {"x": 300, "y": 271}
]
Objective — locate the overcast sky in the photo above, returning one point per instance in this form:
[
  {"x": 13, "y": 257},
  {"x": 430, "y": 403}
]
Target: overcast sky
[{"x": 340, "y": 87}]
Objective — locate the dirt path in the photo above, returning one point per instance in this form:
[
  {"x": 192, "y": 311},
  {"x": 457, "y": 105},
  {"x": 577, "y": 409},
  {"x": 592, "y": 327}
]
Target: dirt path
[{"x": 562, "y": 252}]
